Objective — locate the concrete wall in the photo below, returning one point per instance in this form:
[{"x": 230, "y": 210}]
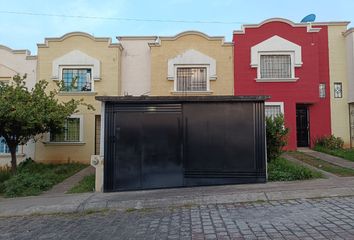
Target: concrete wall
[
  {"x": 106, "y": 83},
  {"x": 21, "y": 62},
  {"x": 136, "y": 65},
  {"x": 338, "y": 73},
  {"x": 171, "y": 47}
]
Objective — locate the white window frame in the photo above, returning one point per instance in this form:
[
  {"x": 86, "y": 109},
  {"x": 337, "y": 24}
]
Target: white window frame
[
  {"x": 62, "y": 67},
  {"x": 341, "y": 89},
  {"x": 276, "y": 45},
  {"x": 18, "y": 151},
  {"x": 191, "y": 66},
  {"x": 292, "y": 67},
  {"x": 281, "y": 104},
  {"x": 81, "y": 138}
]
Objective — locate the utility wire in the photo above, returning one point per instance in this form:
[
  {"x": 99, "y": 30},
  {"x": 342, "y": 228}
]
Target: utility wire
[{"x": 119, "y": 18}]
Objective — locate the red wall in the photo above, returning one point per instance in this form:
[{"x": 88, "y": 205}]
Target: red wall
[{"x": 314, "y": 70}]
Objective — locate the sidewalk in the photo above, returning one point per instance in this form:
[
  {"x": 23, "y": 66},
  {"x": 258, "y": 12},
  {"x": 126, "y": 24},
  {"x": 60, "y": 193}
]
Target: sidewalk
[
  {"x": 328, "y": 158},
  {"x": 161, "y": 198}
]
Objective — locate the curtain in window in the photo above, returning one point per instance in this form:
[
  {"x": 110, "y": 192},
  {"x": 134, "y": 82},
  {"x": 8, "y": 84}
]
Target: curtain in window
[{"x": 272, "y": 110}]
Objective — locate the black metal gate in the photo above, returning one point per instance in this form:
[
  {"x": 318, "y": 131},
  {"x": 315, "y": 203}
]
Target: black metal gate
[{"x": 170, "y": 142}]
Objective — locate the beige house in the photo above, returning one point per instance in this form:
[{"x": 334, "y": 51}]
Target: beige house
[
  {"x": 14, "y": 62},
  {"x": 88, "y": 66},
  {"x": 338, "y": 81},
  {"x": 191, "y": 63},
  {"x": 349, "y": 44}
]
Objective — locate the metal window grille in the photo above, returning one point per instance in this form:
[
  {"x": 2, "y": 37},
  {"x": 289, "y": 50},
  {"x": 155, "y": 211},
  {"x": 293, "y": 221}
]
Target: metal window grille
[
  {"x": 77, "y": 80},
  {"x": 322, "y": 89},
  {"x": 191, "y": 79},
  {"x": 275, "y": 66},
  {"x": 338, "y": 91},
  {"x": 70, "y": 133},
  {"x": 272, "y": 110}
]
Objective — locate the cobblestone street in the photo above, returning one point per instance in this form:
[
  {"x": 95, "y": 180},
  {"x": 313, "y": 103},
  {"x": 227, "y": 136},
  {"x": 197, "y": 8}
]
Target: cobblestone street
[{"x": 327, "y": 218}]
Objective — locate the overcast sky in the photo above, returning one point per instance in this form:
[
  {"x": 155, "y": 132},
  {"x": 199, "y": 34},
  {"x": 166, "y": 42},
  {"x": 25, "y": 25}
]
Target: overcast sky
[{"x": 23, "y": 24}]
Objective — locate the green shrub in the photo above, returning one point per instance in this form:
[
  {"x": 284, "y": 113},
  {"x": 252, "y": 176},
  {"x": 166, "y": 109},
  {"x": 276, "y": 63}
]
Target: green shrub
[
  {"x": 87, "y": 184},
  {"x": 5, "y": 174},
  {"x": 330, "y": 142},
  {"x": 33, "y": 178},
  {"x": 276, "y": 134},
  {"x": 282, "y": 170}
]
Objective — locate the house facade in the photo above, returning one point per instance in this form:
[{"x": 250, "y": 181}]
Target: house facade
[
  {"x": 14, "y": 62},
  {"x": 191, "y": 63},
  {"x": 338, "y": 65},
  {"x": 349, "y": 44},
  {"x": 87, "y": 66},
  {"x": 290, "y": 63}
]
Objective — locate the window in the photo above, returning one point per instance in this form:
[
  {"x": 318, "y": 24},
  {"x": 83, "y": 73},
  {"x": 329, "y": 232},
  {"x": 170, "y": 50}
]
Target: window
[
  {"x": 338, "y": 91},
  {"x": 71, "y": 132},
  {"x": 275, "y": 66},
  {"x": 191, "y": 79},
  {"x": 322, "y": 90},
  {"x": 276, "y": 59},
  {"x": 77, "y": 80},
  {"x": 273, "y": 109},
  {"x": 3, "y": 147}
]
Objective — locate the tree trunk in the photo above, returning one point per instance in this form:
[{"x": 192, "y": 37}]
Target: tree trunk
[{"x": 13, "y": 159}]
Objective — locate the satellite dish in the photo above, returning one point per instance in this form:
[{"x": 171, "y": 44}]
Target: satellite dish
[{"x": 309, "y": 18}]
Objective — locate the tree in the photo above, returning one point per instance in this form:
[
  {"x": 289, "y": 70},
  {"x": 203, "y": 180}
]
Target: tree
[
  {"x": 28, "y": 114},
  {"x": 276, "y": 134}
]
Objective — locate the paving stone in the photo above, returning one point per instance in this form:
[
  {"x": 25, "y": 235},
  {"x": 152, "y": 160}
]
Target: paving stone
[{"x": 328, "y": 218}]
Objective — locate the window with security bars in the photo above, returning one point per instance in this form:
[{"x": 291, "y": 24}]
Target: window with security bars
[
  {"x": 272, "y": 110},
  {"x": 70, "y": 133},
  {"x": 338, "y": 91},
  {"x": 275, "y": 66},
  {"x": 77, "y": 80},
  {"x": 190, "y": 79}
]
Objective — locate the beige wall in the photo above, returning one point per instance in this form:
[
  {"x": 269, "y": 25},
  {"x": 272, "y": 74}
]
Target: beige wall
[
  {"x": 136, "y": 65},
  {"x": 170, "y": 47},
  {"x": 338, "y": 73},
  {"x": 21, "y": 62},
  {"x": 108, "y": 56}
]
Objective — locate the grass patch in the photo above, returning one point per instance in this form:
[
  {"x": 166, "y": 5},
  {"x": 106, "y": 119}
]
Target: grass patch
[
  {"x": 5, "y": 174},
  {"x": 321, "y": 164},
  {"x": 33, "y": 178},
  {"x": 87, "y": 184},
  {"x": 343, "y": 153},
  {"x": 281, "y": 169}
]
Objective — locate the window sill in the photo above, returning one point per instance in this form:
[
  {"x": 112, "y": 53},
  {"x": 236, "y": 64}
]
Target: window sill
[
  {"x": 77, "y": 93},
  {"x": 7, "y": 155},
  {"x": 277, "y": 79},
  {"x": 64, "y": 143},
  {"x": 179, "y": 93}
]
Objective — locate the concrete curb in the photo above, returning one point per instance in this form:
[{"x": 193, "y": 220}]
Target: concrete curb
[{"x": 165, "y": 198}]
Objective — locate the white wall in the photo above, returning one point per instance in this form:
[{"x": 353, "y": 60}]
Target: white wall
[
  {"x": 136, "y": 65},
  {"x": 11, "y": 63}
]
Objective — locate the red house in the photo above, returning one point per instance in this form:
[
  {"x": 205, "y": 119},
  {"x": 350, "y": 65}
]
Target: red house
[{"x": 288, "y": 62}]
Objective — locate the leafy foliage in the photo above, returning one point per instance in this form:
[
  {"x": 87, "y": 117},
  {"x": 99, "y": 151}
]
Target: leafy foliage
[
  {"x": 27, "y": 114},
  {"x": 282, "y": 170},
  {"x": 33, "y": 178},
  {"x": 87, "y": 184},
  {"x": 330, "y": 142},
  {"x": 276, "y": 134}
]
